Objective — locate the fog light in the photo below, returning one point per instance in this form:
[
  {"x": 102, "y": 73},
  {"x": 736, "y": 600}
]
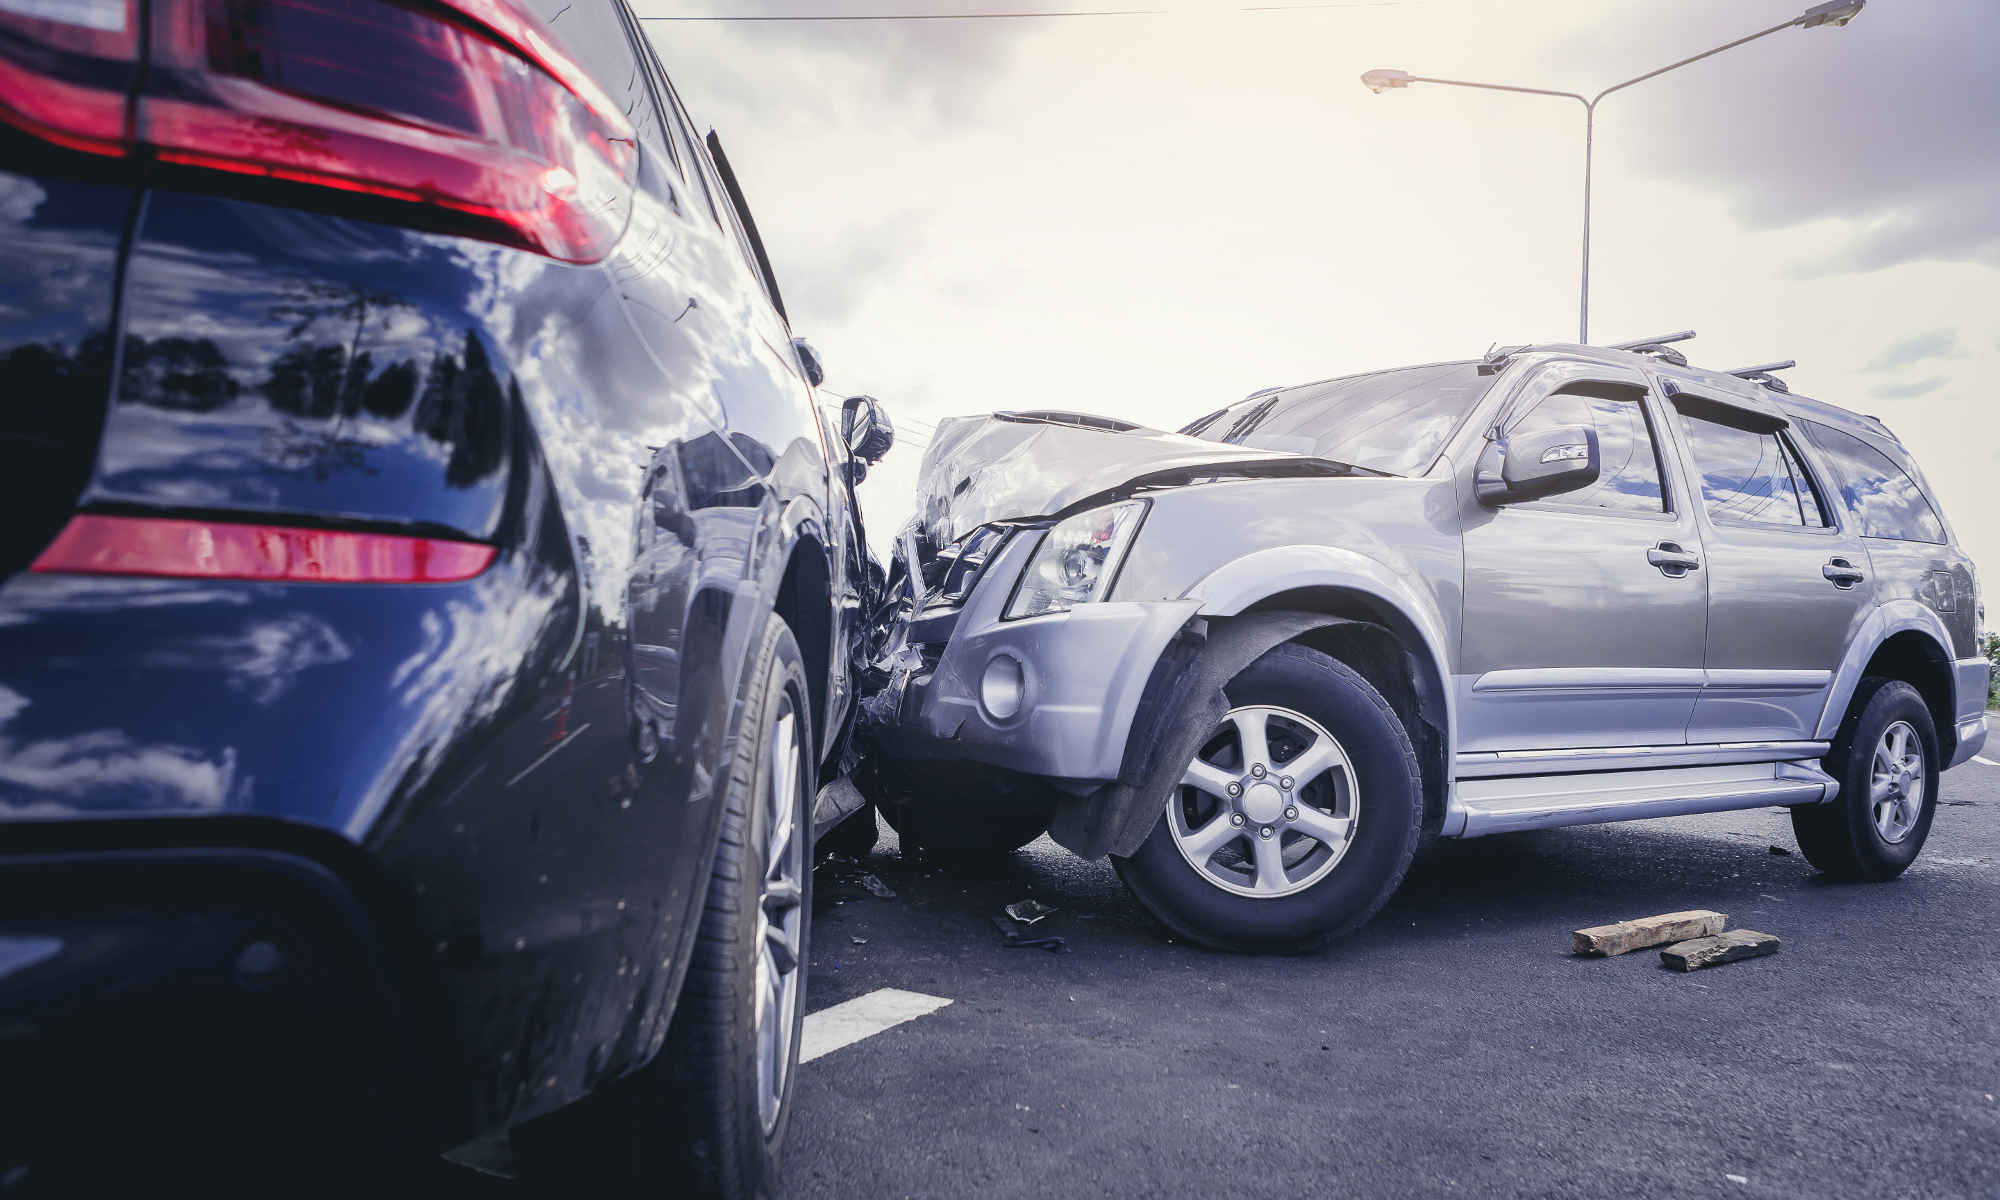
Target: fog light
[{"x": 1002, "y": 687}]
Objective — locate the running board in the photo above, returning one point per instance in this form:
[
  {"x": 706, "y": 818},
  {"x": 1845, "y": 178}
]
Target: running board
[{"x": 1511, "y": 804}]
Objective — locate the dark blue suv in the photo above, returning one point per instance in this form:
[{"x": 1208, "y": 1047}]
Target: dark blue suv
[{"x": 427, "y": 598}]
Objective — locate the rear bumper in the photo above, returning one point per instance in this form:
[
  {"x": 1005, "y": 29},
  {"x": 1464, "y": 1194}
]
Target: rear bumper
[
  {"x": 215, "y": 1007},
  {"x": 1082, "y": 674},
  {"x": 1972, "y": 677},
  {"x": 1971, "y": 740}
]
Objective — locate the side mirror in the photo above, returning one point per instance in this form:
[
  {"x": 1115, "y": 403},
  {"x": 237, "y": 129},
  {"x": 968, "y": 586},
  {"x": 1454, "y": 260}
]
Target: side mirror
[
  {"x": 809, "y": 359},
  {"x": 865, "y": 427},
  {"x": 856, "y": 471},
  {"x": 1546, "y": 462}
]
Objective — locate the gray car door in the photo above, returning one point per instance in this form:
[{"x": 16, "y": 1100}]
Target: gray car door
[
  {"x": 1789, "y": 583},
  {"x": 1584, "y": 612}
]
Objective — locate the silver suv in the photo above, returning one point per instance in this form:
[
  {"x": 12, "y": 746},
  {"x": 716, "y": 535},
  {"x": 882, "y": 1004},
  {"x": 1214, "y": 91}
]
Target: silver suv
[{"x": 1255, "y": 660}]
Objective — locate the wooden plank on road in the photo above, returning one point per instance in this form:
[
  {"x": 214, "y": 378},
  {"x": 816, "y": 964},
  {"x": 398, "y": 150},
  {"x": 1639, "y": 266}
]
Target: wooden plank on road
[{"x": 1626, "y": 936}]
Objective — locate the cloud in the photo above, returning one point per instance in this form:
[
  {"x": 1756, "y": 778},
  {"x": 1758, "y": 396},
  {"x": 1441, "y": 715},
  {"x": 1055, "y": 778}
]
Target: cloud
[
  {"x": 1884, "y": 127},
  {"x": 1906, "y": 391},
  {"x": 1938, "y": 343}
]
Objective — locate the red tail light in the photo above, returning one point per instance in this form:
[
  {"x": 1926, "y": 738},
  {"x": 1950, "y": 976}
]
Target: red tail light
[
  {"x": 463, "y": 107},
  {"x": 102, "y": 545}
]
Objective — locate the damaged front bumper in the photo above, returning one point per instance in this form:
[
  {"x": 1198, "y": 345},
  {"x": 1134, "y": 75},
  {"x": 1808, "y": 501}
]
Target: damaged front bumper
[{"x": 1053, "y": 696}]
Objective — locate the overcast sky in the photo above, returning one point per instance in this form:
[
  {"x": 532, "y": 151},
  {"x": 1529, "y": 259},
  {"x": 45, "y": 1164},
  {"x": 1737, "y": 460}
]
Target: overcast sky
[{"x": 1152, "y": 216}]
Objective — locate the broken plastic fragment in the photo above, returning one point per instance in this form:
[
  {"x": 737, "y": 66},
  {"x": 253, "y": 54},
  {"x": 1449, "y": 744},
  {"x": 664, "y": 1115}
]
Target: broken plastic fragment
[
  {"x": 875, "y": 886},
  {"x": 1027, "y": 912},
  {"x": 1015, "y": 940}
]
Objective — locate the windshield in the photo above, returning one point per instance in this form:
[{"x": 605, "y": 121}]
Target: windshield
[{"x": 1391, "y": 421}]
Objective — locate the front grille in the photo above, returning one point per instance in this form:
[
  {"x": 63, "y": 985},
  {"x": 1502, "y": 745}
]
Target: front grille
[{"x": 954, "y": 571}]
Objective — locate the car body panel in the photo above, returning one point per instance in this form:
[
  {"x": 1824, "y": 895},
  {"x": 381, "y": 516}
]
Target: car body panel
[
  {"x": 1561, "y": 648},
  {"x": 290, "y": 361},
  {"x": 1629, "y": 644}
]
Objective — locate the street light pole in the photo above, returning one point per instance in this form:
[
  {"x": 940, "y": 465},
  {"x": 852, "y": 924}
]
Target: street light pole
[{"x": 1834, "y": 12}]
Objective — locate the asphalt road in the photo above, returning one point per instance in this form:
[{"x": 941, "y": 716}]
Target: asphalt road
[{"x": 1453, "y": 1046}]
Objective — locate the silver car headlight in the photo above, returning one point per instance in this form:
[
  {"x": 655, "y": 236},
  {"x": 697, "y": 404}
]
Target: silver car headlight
[{"x": 1077, "y": 560}]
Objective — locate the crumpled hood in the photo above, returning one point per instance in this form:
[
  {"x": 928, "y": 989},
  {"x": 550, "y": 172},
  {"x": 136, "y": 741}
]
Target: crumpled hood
[{"x": 1018, "y": 466}]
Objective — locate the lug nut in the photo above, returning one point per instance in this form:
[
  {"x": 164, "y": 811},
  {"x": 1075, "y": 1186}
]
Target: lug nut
[
  {"x": 1264, "y": 832},
  {"x": 1291, "y": 814},
  {"x": 1285, "y": 781},
  {"x": 1258, "y": 770},
  {"x": 1235, "y": 789},
  {"x": 1235, "y": 818}
]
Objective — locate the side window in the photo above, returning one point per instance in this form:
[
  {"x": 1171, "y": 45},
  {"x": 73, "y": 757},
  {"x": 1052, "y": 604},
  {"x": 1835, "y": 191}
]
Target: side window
[
  {"x": 1880, "y": 494},
  {"x": 1629, "y": 480},
  {"x": 594, "y": 34},
  {"x": 1748, "y": 475}
]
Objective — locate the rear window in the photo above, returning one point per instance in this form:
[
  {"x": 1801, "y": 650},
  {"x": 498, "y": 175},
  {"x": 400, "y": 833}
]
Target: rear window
[
  {"x": 1391, "y": 421},
  {"x": 1883, "y": 497}
]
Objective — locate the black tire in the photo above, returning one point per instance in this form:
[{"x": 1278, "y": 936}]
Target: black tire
[
  {"x": 1841, "y": 837},
  {"x": 1378, "y": 852},
  {"x": 689, "y": 1122},
  {"x": 854, "y": 837}
]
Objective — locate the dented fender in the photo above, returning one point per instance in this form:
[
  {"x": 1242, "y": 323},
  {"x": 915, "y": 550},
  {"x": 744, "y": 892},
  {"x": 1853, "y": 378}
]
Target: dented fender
[{"x": 1182, "y": 703}]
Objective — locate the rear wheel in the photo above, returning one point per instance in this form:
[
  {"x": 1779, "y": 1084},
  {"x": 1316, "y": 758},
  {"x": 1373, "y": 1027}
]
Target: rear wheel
[
  {"x": 1296, "y": 819},
  {"x": 1885, "y": 758},
  {"x": 707, "y": 1116}
]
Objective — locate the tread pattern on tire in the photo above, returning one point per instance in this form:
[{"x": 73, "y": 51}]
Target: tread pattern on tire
[
  {"x": 701, "y": 1043},
  {"x": 1827, "y": 833},
  {"x": 1165, "y": 913}
]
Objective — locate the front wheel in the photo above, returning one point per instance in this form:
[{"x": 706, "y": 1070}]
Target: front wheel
[
  {"x": 1296, "y": 819},
  {"x": 1885, "y": 758}
]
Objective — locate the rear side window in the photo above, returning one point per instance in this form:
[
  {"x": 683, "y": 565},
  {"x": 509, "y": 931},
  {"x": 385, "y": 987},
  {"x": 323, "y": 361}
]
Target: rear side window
[
  {"x": 1752, "y": 476},
  {"x": 1880, "y": 494},
  {"x": 1628, "y": 479}
]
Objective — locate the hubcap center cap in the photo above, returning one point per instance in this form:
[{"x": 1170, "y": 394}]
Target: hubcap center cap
[{"x": 1263, "y": 803}]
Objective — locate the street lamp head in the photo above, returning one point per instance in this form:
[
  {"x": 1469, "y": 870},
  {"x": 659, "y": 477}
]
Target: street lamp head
[
  {"x": 1382, "y": 79},
  {"x": 1834, "y": 12}
]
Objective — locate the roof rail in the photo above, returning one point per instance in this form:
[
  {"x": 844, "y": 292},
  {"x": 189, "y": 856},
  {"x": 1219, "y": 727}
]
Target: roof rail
[
  {"x": 1684, "y": 335},
  {"x": 1762, "y": 373},
  {"x": 1763, "y": 368}
]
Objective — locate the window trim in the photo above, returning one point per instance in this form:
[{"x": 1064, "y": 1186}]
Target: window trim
[
  {"x": 1520, "y": 406},
  {"x": 1787, "y": 439},
  {"x": 1923, "y": 492}
]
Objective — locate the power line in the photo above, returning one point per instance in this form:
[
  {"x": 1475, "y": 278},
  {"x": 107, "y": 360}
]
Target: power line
[{"x": 1026, "y": 15}]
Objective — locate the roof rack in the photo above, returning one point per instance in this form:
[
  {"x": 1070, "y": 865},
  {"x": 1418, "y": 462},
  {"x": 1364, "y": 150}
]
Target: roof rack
[
  {"x": 1685, "y": 335},
  {"x": 1762, "y": 373},
  {"x": 1497, "y": 356},
  {"x": 1658, "y": 347}
]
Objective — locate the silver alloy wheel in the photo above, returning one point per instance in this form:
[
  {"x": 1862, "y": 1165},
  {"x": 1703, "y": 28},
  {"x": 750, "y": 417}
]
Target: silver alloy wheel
[
  {"x": 1268, "y": 806},
  {"x": 780, "y": 919},
  {"x": 1896, "y": 782}
]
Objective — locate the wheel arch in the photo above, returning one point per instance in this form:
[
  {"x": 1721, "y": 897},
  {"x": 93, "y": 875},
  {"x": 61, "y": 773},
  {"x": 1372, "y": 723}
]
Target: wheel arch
[
  {"x": 1900, "y": 640},
  {"x": 1386, "y": 629}
]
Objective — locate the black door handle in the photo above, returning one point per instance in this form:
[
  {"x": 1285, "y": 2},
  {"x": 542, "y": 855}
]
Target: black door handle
[
  {"x": 1844, "y": 574},
  {"x": 1673, "y": 561}
]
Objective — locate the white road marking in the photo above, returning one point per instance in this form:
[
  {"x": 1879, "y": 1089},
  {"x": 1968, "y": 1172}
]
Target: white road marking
[
  {"x": 848, "y": 1022},
  {"x": 573, "y": 735},
  {"x": 1989, "y": 762}
]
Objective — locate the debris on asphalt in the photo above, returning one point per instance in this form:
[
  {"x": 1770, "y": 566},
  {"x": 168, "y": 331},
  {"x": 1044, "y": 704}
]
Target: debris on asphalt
[
  {"x": 1016, "y": 940},
  {"x": 875, "y": 886},
  {"x": 859, "y": 941},
  {"x": 1601, "y": 941},
  {"x": 1780, "y": 850},
  {"x": 1027, "y": 912},
  {"x": 1723, "y": 948}
]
